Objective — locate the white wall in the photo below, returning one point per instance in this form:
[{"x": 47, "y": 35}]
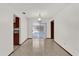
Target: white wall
[
  {"x": 6, "y": 30},
  {"x": 23, "y": 28},
  {"x": 30, "y": 28},
  {"x": 67, "y": 29}
]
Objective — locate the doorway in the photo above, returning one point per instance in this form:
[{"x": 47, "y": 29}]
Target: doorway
[
  {"x": 16, "y": 32},
  {"x": 52, "y": 29}
]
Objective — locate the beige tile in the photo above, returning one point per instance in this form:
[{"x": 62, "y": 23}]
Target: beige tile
[
  {"x": 16, "y": 46},
  {"x": 43, "y": 48}
]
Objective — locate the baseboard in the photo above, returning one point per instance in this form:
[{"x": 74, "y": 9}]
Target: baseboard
[
  {"x": 46, "y": 38},
  {"x": 29, "y": 38},
  {"x": 63, "y": 48},
  {"x": 18, "y": 47},
  {"x": 13, "y": 51}
]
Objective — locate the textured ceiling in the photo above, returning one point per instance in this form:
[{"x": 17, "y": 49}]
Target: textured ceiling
[{"x": 46, "y": 10}]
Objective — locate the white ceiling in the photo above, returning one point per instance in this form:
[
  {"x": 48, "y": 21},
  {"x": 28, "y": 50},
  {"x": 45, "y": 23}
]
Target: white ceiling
[{"x": 46, "y": 10}]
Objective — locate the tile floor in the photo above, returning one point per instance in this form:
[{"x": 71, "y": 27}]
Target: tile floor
[
  {"x": 45, "y": 47},
  {"x": 16, "y": 46}
]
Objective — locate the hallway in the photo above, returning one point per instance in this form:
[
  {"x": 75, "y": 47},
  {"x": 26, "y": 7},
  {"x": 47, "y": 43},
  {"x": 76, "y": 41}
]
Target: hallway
[
  {"x": 50, "y": 48},
  {"x": 20, "y": 21}
]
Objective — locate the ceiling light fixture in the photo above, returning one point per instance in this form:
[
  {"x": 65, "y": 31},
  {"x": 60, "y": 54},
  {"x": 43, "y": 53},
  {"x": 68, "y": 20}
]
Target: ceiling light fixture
[{"x": 39, "y": 18}]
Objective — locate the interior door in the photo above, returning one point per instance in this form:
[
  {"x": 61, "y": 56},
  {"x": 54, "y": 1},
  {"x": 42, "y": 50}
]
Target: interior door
[
  {"x": 16, "y": 31},
  {"x": 52, "y": 29}
]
